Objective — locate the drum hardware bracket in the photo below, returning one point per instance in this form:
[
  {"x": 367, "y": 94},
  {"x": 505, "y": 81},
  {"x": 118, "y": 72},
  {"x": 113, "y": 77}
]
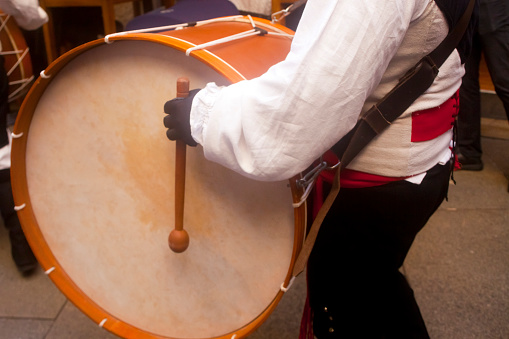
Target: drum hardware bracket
[
  {"x": 308, "y": 181},
  {"x": 261, "y": 31},
  {"x": 280, "y": 15},
  {"x": 16, "y": 136},
  {"x": 48, "y": 271},
  {"x": 101, "y": 324}
]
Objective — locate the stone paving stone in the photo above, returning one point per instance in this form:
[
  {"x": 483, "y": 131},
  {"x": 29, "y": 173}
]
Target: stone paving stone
[
  {"x": 497, "y": 150},
  {"x": 459, "y": 264},
  {"x": 459, "y": 270},
  {"x": 24, "y": 328},
  {"x": 479, "y": 190},
  {"x": 28, "y": 297},
  {"x": 72, "y": 323},
  {"x": 284, "y": 323}
]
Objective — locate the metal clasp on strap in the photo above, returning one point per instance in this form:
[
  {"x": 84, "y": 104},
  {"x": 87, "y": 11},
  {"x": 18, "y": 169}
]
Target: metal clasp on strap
[
  {"x": 278, "y": 16},
  {"x": 307, "y": 182}
]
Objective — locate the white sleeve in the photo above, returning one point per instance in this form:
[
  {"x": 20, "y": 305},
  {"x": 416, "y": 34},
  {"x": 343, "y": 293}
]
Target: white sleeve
[
  {"x": 275, "y": 126},
  {"x": 27, "y": 13}
]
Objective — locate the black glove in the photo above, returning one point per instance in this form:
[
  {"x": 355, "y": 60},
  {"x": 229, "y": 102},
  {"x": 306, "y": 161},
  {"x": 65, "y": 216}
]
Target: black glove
[{"x": 177, "y": 122}]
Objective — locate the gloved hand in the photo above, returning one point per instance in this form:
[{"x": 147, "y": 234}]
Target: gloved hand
[{"x": 177, "y": 120}]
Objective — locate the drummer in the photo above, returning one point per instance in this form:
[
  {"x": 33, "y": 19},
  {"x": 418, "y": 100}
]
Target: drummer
[
  {"x": 345, "y": 56},
  {"x": 29, "y": 16}
]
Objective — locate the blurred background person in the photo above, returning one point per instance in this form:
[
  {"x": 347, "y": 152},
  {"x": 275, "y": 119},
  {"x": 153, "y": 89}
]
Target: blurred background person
[
  {"x": 28, "y": 16},
  {"x": 492, "y": 40}
]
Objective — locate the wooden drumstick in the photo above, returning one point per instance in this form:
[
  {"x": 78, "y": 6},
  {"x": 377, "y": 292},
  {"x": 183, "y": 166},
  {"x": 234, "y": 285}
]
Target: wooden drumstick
[{"x": 179, "y": 238}]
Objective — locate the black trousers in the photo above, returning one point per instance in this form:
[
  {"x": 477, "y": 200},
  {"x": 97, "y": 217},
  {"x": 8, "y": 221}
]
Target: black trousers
[
  {"x": 21, "y": 252},
  {"x": 495, "y": 46},
  {"x": 355, "y": 287}
]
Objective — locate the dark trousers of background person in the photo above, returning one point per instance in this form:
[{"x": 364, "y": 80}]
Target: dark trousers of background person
[
  {"x": 495, "y": 45},
  {"x": 355, "y": 287}
]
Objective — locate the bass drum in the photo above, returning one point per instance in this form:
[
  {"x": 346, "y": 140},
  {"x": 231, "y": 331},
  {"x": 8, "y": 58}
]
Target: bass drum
[
  {"x": 93, "y": 173},
  {"x": 17, "y": 62}
]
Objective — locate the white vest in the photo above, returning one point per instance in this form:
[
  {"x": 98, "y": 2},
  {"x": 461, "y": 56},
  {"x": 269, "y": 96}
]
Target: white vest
[{"x": 392, "y": 153}]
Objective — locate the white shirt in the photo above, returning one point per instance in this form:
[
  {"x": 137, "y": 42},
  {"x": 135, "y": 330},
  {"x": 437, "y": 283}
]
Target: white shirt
[
  {"x": 27, "y": 13},
  {"x": 275, "y": 126}
]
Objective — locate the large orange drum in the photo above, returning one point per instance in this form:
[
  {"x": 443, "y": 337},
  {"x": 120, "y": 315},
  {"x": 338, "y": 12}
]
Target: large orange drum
[
  {"x": 93, "y": 173},
  {"x": 17, "y": 62}
]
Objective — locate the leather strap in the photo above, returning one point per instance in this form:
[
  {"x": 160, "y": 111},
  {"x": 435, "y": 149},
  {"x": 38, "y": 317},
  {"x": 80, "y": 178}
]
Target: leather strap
[{"x": 415, "y": 82}]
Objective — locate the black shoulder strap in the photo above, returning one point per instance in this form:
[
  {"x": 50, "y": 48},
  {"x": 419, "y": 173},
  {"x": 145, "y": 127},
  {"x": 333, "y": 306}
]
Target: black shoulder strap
[
  {"x": 415, "y": 82},
  {"x": 410, "y": 87}
]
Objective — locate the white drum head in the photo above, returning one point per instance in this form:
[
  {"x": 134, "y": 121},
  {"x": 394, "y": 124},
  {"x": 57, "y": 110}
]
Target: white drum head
[{"x": 100, "y": 171}]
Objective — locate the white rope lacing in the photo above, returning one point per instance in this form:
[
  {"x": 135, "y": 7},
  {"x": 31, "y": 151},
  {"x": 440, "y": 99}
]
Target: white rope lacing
[
  {"x": 20, "y": 207},
  {"x": 290, "y": 283},
  {"x": 4, "y": 22},
  {"x": 11, "y": 52},
  {"x": 44, "y": 75},
  {"x": 22, "y": 82},
  {"x": 18, "y": 91},
  {"x": 255, "y": 31},
  {"x": 233, "y": 37},
  {"x": 169, "y": 27},
  {"x": 20, "y": 59}
]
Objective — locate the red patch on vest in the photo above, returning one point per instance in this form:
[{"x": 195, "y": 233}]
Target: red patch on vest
[{"x": 431, "y": 123}]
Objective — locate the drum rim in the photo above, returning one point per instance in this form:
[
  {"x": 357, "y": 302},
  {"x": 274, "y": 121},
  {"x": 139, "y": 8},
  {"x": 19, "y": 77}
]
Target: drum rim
[{"x": 28, "y": 219}]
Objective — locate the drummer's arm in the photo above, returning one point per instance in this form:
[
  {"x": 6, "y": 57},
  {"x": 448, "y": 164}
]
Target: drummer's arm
[{"x": 274, "y": 126}]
